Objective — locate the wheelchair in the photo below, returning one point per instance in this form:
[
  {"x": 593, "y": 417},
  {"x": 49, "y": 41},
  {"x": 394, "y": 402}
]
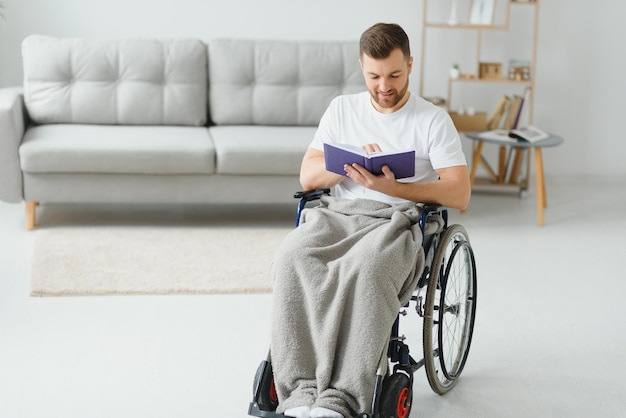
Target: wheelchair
[{"x": 445, "y": 299}]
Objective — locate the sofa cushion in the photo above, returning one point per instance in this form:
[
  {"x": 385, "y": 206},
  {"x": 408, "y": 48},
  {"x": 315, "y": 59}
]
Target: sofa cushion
[
  {"x": 275, "y": 150},
  {"x": 64, "y": 148},
  {"x": 279, "y": 82},
  {"x": 130, "y": 82}
]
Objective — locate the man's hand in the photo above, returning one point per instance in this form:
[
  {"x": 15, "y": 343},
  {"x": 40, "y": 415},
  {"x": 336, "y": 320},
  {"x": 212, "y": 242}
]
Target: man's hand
[
  {"x": 384, "y": 183},
  {"x": 370, "y": 148}
]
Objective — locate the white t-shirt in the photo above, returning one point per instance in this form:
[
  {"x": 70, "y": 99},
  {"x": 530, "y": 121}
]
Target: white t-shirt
[{"x": 418, "y": 125}]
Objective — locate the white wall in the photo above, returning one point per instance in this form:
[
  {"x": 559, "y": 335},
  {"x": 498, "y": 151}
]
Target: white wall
[{"x": 580, "y": 86}]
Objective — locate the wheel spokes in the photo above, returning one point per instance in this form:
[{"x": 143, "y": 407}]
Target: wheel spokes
[{"x": 456, "y": 302}]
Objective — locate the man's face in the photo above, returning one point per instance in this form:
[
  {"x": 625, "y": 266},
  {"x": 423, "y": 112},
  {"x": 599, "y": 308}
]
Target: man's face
[{"x": 387, "y": 80}]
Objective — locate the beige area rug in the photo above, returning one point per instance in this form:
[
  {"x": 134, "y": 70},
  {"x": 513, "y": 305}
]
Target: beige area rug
[{"x": 150, "y": 260}]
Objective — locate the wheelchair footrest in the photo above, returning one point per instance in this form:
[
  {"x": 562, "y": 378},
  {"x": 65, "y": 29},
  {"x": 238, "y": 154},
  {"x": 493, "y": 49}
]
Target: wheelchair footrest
[{"x": 255, "y": 411}]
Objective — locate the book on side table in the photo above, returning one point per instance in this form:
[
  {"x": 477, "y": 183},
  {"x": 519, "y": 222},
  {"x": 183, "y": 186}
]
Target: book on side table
[
  {"x": 337, "y": 155},
  {"x": 528, "y": 134}
]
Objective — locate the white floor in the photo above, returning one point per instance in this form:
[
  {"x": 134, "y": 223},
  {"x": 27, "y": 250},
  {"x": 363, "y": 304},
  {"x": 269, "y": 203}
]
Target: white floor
[{"x": 550, "y": 339}]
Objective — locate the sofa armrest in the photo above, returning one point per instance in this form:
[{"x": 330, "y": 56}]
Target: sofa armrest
[{"x": 12, "y": 127}]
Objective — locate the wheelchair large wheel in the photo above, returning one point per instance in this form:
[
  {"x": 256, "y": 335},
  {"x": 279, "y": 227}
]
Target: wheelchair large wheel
[{"x": 449, "y": 310}]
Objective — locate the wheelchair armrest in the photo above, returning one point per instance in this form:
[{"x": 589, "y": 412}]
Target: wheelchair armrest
[
  {"x": 308, "y": 196},
  {"x": 431, "y": 209},
  {"x": 311, "y": 194}
]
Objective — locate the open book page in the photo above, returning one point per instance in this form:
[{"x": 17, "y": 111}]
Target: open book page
[
  {"x": 499, "y": 134},
  {"x": 337, "y": 155},
  {"x": 528, "y": 134}
]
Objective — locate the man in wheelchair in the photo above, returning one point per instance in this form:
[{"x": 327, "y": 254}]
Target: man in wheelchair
[{"x": 342, "y": 275}]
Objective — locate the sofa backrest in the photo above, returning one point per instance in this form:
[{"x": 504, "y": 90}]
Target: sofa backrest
[
  {"x": 279, "y": 82},
  {"x": 130, "y": 82}
]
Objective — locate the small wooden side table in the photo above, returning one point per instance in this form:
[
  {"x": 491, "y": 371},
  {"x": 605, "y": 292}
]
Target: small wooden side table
[{"x": 510, "y": 160}]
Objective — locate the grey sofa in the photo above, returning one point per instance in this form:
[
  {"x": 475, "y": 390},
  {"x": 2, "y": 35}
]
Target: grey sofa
[{"x": 165, "y": 121}]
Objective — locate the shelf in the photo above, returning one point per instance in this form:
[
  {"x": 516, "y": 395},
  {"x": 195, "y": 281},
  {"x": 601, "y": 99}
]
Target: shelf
[
  {"x": 467, "y": 27},
  {"x": 523, "y": 3},
  {"x": 475, "y": 38},
  {"x": 489, "y": 81},
  {"x": 487, "y": 182}
]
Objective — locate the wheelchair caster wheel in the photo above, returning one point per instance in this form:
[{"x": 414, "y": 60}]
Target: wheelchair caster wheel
[
  {"x": 396, "y": 397},
  {"x": 264, "y": 388}
]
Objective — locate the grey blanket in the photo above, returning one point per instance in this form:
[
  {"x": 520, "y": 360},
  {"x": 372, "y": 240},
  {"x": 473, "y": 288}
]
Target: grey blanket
[{"x": 339, "y": 280}]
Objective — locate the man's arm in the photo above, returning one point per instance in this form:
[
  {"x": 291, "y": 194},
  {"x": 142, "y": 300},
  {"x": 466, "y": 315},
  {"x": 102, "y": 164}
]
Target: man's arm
[
  {"x": 453, "y": 188},
  {"x": 313, "y": 173}
]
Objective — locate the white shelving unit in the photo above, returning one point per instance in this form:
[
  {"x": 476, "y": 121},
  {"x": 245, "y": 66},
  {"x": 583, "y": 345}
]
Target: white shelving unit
[{"x": 508, "y": 37}]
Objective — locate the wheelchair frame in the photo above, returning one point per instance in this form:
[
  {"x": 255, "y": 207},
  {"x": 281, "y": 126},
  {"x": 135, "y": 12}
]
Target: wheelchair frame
[{"x": 448, "y": 257}]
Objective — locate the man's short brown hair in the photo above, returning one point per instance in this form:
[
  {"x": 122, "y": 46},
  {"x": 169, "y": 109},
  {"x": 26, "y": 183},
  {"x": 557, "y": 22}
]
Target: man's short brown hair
[{"x": 379, "y": 40}]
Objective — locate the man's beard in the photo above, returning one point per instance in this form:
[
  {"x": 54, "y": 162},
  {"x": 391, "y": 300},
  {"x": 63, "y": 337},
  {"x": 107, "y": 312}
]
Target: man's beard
[{"x": 395, "y": 99}]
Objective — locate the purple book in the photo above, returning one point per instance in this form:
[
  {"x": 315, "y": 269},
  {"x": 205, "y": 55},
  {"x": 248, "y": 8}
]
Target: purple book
[{"x": 401, "y": 163}]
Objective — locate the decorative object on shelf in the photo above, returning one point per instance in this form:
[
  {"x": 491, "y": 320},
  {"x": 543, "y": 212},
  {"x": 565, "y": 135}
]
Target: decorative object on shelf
[
  {"x": 519, "y": 70},
  {"x": 466, "y": 110},
  {"x": 455, "y": 72},
  {"x": 489, "y": 70},
  {"x": 482, "y": 12},
  {"x": 454, "y": 18}
]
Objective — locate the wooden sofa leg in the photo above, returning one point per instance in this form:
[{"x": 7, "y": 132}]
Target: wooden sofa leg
[{"x": 31, "y": 215}]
